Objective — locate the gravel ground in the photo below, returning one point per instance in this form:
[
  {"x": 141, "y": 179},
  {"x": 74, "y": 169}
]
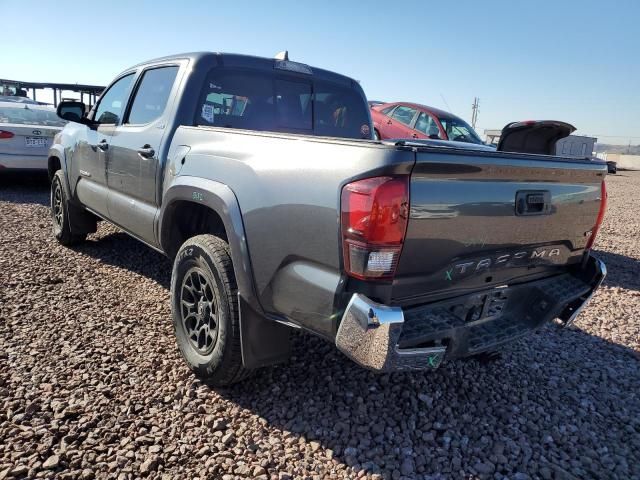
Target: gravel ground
[{"x": 92, "y": 386}]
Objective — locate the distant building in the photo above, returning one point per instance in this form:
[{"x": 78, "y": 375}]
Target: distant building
[
  {"x": 492, "y": 137},
  {"x": 624, "y": 161}
]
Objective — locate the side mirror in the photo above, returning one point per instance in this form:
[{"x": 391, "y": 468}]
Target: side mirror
[{"x": 71, "y": 111}]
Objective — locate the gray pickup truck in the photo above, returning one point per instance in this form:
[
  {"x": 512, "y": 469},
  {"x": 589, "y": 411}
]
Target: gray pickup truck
[{"x": 261, "y": 180}]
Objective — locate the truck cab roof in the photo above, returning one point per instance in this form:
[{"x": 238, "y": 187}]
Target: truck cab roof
[{"x": 246, "y": 61}]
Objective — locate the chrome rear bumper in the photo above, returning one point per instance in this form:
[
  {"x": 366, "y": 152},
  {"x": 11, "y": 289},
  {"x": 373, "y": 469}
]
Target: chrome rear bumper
[
  {"x": 570, "y": 313},
  {"x": 369, "y": 334}
]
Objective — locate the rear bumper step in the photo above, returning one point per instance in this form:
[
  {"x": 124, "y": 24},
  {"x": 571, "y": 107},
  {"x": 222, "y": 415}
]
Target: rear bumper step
[{"x": 385, "y": 338}]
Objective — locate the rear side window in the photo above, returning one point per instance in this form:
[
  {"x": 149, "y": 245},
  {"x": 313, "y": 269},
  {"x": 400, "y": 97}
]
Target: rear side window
[
  {"x": 152, "y": 95},
  {"x": 280, "y": 103},
  {"x": 404, "y": 114},
  {"x": 387, "y": 110},
  {"x": 26, "y": 114}
]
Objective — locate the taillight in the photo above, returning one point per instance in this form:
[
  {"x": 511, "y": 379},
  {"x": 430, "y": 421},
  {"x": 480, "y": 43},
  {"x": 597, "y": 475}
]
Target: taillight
[
  {"x": 374, "y": 215},
  {"x": 4, "y": 134},
  {"x": 603, "y": 207}
]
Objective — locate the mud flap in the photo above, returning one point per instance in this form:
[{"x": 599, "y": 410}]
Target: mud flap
[{"x": 263, "y": 341}]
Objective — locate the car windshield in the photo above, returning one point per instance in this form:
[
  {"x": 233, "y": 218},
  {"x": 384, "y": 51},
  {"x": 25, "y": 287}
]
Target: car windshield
[
  {"x": 23, "y": 114},
  {"x": 459, "y": 131}
]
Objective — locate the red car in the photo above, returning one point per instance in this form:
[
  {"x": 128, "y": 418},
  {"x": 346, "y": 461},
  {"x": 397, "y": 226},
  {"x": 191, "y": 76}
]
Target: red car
[{"x": 411, "y": 120}]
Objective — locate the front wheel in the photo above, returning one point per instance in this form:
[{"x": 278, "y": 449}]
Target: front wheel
[
  {"x": 204, "y": 306},
  {"x": 61, "y": 212}
]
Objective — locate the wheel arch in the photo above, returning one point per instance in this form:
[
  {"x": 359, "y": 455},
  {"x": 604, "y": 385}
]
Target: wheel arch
[
  {"x": 215, "y": 206},
  {"x": 56, "y": 160},
  {"x": 53, "y": 165}
]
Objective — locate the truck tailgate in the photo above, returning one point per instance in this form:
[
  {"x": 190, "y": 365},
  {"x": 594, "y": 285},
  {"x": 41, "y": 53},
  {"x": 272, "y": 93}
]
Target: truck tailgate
[{"x": 479, "y": 219}]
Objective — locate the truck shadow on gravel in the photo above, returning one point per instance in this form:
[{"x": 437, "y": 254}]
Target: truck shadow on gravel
[
  {"x": 19, "y": 187},
  {"x": 120, "y": 250},
  {"x": 622, "y": 271}
]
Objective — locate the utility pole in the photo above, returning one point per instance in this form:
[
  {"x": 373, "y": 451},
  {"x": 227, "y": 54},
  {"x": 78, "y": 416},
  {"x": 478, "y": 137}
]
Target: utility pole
[{"x": 474, "y": 111}]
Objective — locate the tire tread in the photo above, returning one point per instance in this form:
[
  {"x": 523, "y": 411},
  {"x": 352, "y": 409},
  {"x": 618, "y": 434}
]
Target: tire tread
[{"x": 219, "y": 251}]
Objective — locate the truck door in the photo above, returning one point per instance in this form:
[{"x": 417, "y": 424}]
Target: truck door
[
  {"x": 134, "y": 152},
  {"x": 92, "y": 152}
]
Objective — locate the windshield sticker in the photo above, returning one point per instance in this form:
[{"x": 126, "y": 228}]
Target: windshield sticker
[
  {"x": 207, "y": 113},
  {"x": 365, "y": 131},
  {"x": 213, "y": 86}
]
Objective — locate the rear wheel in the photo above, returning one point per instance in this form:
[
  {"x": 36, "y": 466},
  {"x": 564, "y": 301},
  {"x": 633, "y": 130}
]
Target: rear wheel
[
  {"x": 61, "y": 212},
  {"x": 204, "y": 301}
]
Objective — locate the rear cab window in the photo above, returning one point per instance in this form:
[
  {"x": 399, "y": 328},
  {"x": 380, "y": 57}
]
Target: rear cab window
[{"x": 278, "y": 102}]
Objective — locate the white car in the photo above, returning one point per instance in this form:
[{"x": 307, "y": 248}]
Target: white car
[{"x": 26, "y": 133}]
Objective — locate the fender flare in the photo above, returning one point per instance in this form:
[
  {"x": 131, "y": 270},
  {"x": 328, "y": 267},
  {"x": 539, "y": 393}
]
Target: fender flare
[
  {"x": 58, "y": 151},
  {"x": 255, "y": 327}
]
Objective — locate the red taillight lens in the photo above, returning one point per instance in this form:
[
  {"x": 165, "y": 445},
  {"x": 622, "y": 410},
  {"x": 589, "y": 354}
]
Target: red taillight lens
[
  {"x": 603, "y": 207},
  {"x": 4, "y": 134},
  {"x": 374, "y": 215}
]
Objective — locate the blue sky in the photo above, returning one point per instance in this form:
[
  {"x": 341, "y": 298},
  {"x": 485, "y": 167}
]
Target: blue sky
[{"x": 577, "y": 61}]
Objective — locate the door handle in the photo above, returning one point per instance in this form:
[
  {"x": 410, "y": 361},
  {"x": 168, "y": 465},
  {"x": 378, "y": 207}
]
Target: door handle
[
  {"x": 103, "y": 145},
  {"x": 146, "y": 151}
]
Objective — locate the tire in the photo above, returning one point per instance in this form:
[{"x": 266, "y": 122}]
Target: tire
[
  {"x": 62, "y": 211},
  {"x": 376, "y": 134},
  {"x": 204, "y": 307}
]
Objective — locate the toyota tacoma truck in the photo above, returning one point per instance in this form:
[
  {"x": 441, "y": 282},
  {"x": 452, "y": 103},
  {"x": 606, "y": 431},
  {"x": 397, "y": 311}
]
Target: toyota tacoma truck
[{"x": 261, "y": 180}]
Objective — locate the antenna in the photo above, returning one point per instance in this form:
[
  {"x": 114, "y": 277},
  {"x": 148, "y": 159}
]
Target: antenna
[
  {"x": 474, "y": 111},
  {"x": 283, "y": 55},
  {"x": 445, "y": 102}
]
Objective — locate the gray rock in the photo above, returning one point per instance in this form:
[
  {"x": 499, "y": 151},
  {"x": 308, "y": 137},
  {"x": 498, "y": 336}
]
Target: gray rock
[
  {"x": 485, "y": 468},
  {"x": 51, "y": 463},
  {"x": 407, "y": 467},
  {"x": 149, "y": 465},
  {"x": 228, "y": 438}
]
